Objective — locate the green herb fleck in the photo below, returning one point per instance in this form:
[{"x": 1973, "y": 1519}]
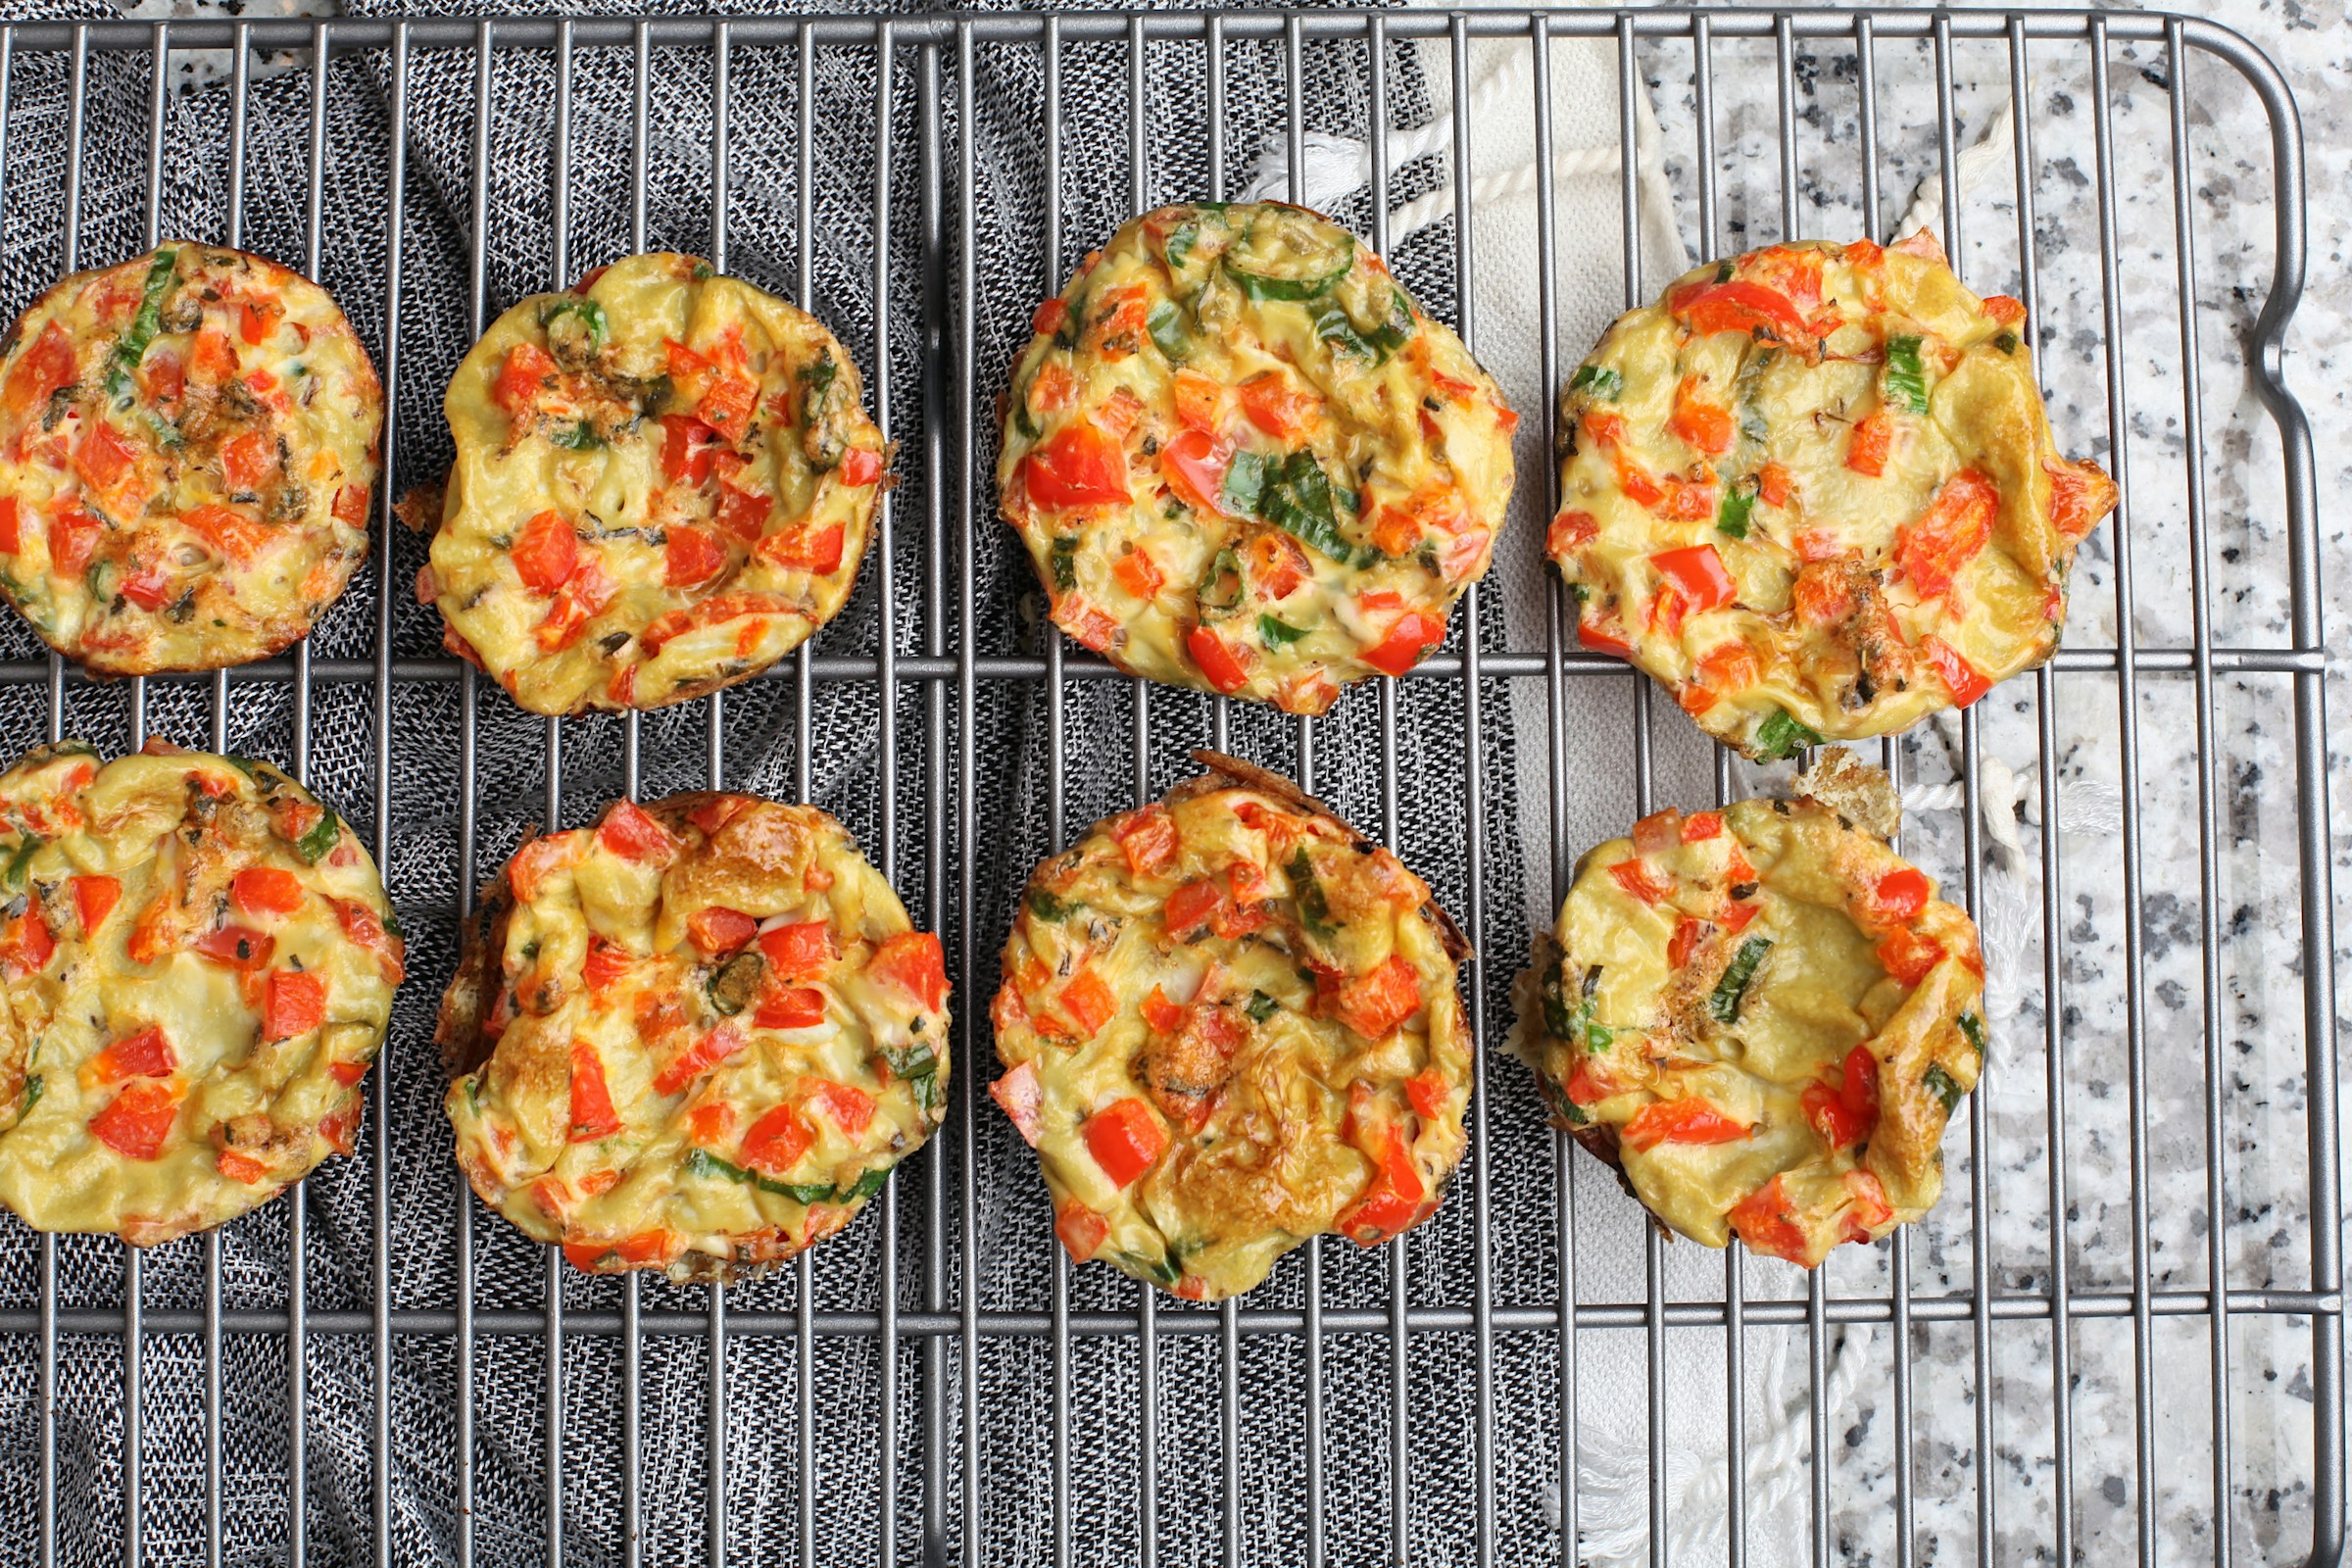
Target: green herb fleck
[
  {"x": 20, "y": 860},
  {"x": 710, "y": 1167},
  {"x": 867, "y": 1185},
  {"x": 1179, "y": 245},
  {"x": 1298, "y": 502},
  {"x": 1262, "y": 1007},
  {"x": 803, "y": 1192},
  {"x": 132, "y": 347},
  {"x": 1313, "y": 912},
  {"x": 1942, "y": 1085},
  {"x": 1725, "y": 1002},
  {"x": 314, "y": 844},
  {"x": 1279, "y": 633},
  {"x": 1599, "y": 382},
  {"x": 590, "y": 315},
  {"x": 1723, "y": 272},
  {"x": 1166, "y": 325},
  {"x": 1221, "y": 589},
  {"x": 2006, "y": 342},
  {"x": 1780, "y": 735},
  {"x": 909, "y": 1061},
  {"x": 1974, "y": 1028},
  {"x": 1064, "y": 563},
  {"x": 1046, "y": 907},
  {"x": 1906, "y": 382},
  {"x": 33, "y": 1097},
  {"x": 1739, "y": 500},
  {"x": 704, "y": 272},
  {"x": 574, "y": 435},
  {"x": 1244, "y": 484}
]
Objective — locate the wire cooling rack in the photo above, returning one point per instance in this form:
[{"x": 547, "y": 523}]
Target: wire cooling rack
[{"x": 2012, "y": 1381}]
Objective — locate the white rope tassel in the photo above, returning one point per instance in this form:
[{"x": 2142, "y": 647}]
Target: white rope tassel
[{"x": 1988, "y": 151}]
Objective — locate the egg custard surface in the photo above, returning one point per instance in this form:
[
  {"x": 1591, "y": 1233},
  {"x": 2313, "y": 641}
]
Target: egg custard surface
[
  {"x": 1814, "y": 493},
  {"x": 198, "y": 963},
  {"x": 1243, "y": 460},
  {"x": 188, "y": 444},
  {"x": 696, "y": 1037},
  {"x": 1762, "y": 1016},
  {"x": 665, "y": 482},
  {"x": 1230, "y": 1023}
]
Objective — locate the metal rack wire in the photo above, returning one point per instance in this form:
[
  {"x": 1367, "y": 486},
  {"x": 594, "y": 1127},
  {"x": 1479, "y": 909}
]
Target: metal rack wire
[{"x": 939, "y": 1196}]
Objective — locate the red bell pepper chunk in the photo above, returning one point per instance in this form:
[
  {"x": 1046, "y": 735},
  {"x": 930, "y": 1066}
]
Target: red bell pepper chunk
[
  {"x": 12, "y": 525},
  {"x": 1569, "y": 530},
  {"x": 1704, "y": 425},
  {"x": 528, "y": 370},
  {"x": 686, "y": 447},
  {"x": 1898, "y": 897},
  {"x": 1088, "y": 1003},
  {"x": 1766, "y": 1221},
  {"x": 1411, "y": 637},
  {"x": 1958, "y": 675},
  {"x": 261, "y": 890},
  {"x": 797, "y": 950},
  {"x": 790, "y": 1007},
  {"x": 1873, "y": 438},
  {"x": 727, "y": 407},
  {"x": 1194, "y": 462},
  {"x": 238, "y": 947},
  {"x": 29, "y": 944},
  {"x": 1192, "y": 907},
  {"x": 2079, "y": 496},
  {"x": 257, "y": 318},
  {"x": 239, "y": 1166},
  {"x": 145, "y": 1055},
  {"x": 699, "y": 1059},
  {"x": 1739, "y": 306},
  {"x": 1125, "y": 1139},
  {"x": 860, "y": 467},
  {"x": 1080, "y": 465},
  {"x": 812, "y": 550},
  {"x": 592, "y": 1113},
  {"x": 147, "y": 589},
  {"x": 1697, "y": 571},
  {"x": 913, "y": 963},
  {"x": 1933, "y": 550},
  {"x": 294, "y": 1004},
  {"x": 1018, "y": 1093},
  {"x": 1147, "y": 838},
  {"x": 631, "y": 832},
  {"x": 1165, "y": 1017},
  {"x": 606, "y": 962},
  {"x": 246, "y": 460},
  {"x": 690, "y": 556},
  {"x": 1689, "y": 1120},
  {"x": 546, "y": 552},
  {"x": 1636, "y": 878},
  {"x": 1047, "y": 318},
  {"x": 104, "y": 457},
  {"x": 718, "y": 929},
  {"x": 46, "y": 367},
  {"x": 777, "y": 1142},
  {"x": 852, "y": 1109},
  {"x": 1701, "y": 826},
  {"x": 1428, "y": 1092},
  {"x": 1391, "y": 1201},
  {"x": 1908, "y": 957},
  {"x": 1081, "y": 1230},
  {"x": 1374, "y": 1004},
  {"x": 1137, "y": 573},
  {"x": 226, "y": 532},
  {"x": 136, "y": 1121},
  {"x": 94, "y": 899},
  {"x": 1218, "y": 661}
]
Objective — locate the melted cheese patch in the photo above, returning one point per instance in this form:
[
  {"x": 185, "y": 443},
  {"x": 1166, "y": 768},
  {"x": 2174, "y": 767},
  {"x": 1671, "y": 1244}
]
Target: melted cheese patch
[
  {"x": 1813, "y": 491},
  {"x": 198, "y": 963},
  {"x": 665, "y": 482},
  {"x": 1764, "y": 1019},
  {"x": 1244, "y": 461},
  {"x": 187, "y": 443},
  {"x": 1229, "y": 1025},
  {"x": 697, "y": 1037}
]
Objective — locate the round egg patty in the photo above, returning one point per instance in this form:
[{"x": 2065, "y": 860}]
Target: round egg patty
[
  {"x": 696, "y": 1037},
  {"x": 1762, "y": 1016},
  {"x": 187, "y": 443},
  {"x": 1814, "y": 493},
  {"x": 1230, "y": 1023},
  {"x": 665, "y": 482},
  {"x": 198, "y": 963},
  {"x": 1244, "y": 461}
]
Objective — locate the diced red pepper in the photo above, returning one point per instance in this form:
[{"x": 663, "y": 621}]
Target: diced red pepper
[
  {"x": 913, "y": 963},
  {"x": 44, "y": 367},
  {"x": 1081, "y": 1230},
  {"x": 1022, "y": 1100},
  {"x": 718, "y": 929},
  {"x": 1908, "y": 956},
  {"x": 147, "y": 589},
  {"x": 1048, "y": 317},
  {"x": 686, "y": 447},
  {"x": 1698, "y": 573},
  {"x": 1873, "y": 438},
  {"x": 699, "y": 1059},
  {"x": 1125, "y": 1139},
  {"x": 1689, "y": 1120},
  {"x": 1275, "y": 405},
  {"x": 528, "y": 370},
  {"x": 246, "y": 460},
  {"x": 94, "y": 899},
  {"x": 777, "y": 1142},
  {"x": 228, "y": 532},
  {"x": 860, "y": 467},
  {"x": 2002, "y": 311},
  {"x": 1374, "y": 1004},
  {"x": 257, "y": 318},
  {"x": 1428, "y": 1092},
  {"x": 1391, "y": 1201},
  {"x": 1192, "y": 906},
  {"x": 606, "y": 962},
  {"x": 2079, "y": 496},
  {"x": 1088, "y": 1003},
  {"x": 136, "y": 1121},
  {"x": 631, "y": 832},
  {"x": 1766, "y": 1221},
  {"x": 1636, "y": 878},
  {"x": 691, "y": 555},
  {"x": 295, "y": 1004},
  {"x": 1569, "y": 530},
  {"x": 799, "y": 950},
  {"x": 1147, "y": 838},
  {"x": 1685, "y": 937},
  {"x": 1080, "y": 465},
  {"x": 1898, "y": 897},
  {"x": 1194, "y": 462},
  {"x": 1409, "y": 638},
  {"x": 727, "y": 407},
  {"x": 1739, "y": 306},
  {"x": 238, "y": 947},
  {"x": 1701, "y": 826},
  {"x": 1218, "y": 661},
  {"x": 261, "y": 890},
  {"x": 1958, "y": 675},
  {"x": 852, "y": 1109},
  {"x": 145, "y": 1055},
  {"x": 790, "y": 1007},
  {"x": 1137, "y": 574},
  {"x": 1704, "y": 425},
  {"x": 239, "y": 1166},
  {"x": 1953, "y": 530},
  {"x": 812, "y": 550},
  {"x": 592, "y": 1113},
  {"x": 12, "y": 525},
  {"x": 546, "y": 552},
  {"x": 1774, "y": 485}
]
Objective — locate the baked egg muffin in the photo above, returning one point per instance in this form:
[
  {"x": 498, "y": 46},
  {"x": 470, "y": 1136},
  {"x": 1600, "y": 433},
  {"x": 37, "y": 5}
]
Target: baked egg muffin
[
  {"x": 1244, "y": 461},
  {"x": 695, "y": 1037},
  {"x": 1762, "y": 1016},
  {"x": 198, "y": 963},
  {"x": 1813, "y": 492},
  {"x": 665, "y": 482},
  {"x": 1229, "y": 1023},
  {"x": 187, "y": 443}
]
